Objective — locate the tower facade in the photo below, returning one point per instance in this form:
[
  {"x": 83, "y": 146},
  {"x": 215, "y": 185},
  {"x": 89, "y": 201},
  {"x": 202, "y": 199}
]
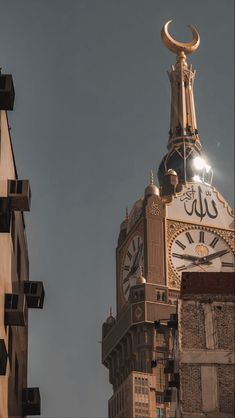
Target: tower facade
[
  {"x": 17, "y": 292},
  {"x": 185, "y": 225}
]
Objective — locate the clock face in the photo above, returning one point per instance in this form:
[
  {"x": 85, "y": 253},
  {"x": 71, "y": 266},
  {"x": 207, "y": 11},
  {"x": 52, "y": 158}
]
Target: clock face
[
  {"x": 133, "y": 261},
  {"x": 200, "y": 250}
]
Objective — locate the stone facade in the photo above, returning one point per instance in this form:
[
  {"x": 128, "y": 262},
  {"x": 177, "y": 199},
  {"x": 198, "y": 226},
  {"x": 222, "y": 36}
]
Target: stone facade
[{"x": 205, "y": 346}]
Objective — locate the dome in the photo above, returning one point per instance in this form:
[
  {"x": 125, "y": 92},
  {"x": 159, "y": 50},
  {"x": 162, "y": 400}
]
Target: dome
[
  {"x": 179, "y": 163},
  {"x": 172, "y": 172},
  {"x": 151, "y": 189},
  {"x": 140, "y": 279},
  {"x": 110, "y": 320}
]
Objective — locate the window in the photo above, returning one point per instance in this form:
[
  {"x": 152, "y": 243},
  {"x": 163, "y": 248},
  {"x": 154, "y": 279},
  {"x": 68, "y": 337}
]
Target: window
[
  {"x": 11, "y": 301},
  {"x": 160, "y": 413}
]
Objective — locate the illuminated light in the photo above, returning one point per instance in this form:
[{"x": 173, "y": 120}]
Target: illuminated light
[
  {"x": 208, "y": 168},
  {"x": 199, "y": 163},
  {"x": 197, "y": 178}
]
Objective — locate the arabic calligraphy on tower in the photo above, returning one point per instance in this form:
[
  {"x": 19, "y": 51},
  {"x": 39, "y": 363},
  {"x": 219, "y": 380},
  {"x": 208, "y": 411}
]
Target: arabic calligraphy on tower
[{"x": 200, "y": 203}]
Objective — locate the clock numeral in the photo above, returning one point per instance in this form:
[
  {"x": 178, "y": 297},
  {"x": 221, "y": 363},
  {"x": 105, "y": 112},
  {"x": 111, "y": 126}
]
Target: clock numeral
[
  {"x": 127, "y": 288},
  {"x": 214, "y": 242},
  {"x": 176, "y": 255},
  {"x": 126, "y": 268},
  {"x": 189, "y": 236},
  {"x": 201, "y": 236},
  {"x": 180, "y": 244},
  {"x": 129, "y": 255},
  {"x": 225, "y": 264},
  {"x": 133, "y": 245},
  {"x": 181, "y": 268}
]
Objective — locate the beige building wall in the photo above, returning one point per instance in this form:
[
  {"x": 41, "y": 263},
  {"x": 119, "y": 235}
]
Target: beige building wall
[
  {"x": 13, "y": 271},
  {"x": 135, "y": 397}
]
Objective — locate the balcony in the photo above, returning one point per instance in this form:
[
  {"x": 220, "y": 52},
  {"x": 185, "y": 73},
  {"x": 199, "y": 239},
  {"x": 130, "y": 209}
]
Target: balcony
[
  {"x": 19, "y": 194},
  {"x": 7, "y": 92},
  {"x": 31, "y": 401},
  {"x": 34, "y": 292},
  {"x": 15, "y": 310}
]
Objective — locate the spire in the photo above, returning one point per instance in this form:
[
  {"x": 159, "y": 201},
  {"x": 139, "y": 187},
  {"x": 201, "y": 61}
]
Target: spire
[
  {"x": 151, "y": 178},
  {"x": 127, "y": 213},
  {"x": 184, "y": 145},
  {"x": 183, "y": 123}
]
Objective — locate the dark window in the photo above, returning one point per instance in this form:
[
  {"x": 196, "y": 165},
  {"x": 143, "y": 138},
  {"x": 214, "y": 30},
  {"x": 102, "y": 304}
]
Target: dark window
[
  {"x": 12, "y": 187},
  {"x": 31, "y": 395},
  {"x": 2, "y": 82},
  {"x": 19, "y": 186},
  {"x": 33, "y": 289},
  {"x": 11, "y": 301}
]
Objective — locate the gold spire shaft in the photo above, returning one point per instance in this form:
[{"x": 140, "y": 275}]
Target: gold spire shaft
[{"x": 183, "y": 123}]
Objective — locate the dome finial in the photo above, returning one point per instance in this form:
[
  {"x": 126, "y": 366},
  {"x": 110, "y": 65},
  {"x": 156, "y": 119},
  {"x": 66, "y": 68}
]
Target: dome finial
[
  {"x": 151, "y": 189},
  {"x": 141, "y": 279}
]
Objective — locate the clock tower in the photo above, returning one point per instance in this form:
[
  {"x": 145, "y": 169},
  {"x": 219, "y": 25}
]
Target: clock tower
[{"x": 182, "y": 225}]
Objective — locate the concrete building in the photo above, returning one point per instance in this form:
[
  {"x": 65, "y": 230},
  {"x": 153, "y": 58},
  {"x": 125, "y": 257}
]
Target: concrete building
[
  {"x": 204, "y": 347},
  {"x": 17, "y": 292},
  {"x": 185, "y": 225}
]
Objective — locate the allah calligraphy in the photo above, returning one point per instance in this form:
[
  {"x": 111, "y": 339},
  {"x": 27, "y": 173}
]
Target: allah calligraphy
[{"x": 200, "y": 203}]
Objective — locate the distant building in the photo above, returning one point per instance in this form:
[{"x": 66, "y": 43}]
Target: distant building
[
  {"x": 203, "y": 362},
  {"x": 17, "y": 292},
  {"x": 185, "y": 225}
]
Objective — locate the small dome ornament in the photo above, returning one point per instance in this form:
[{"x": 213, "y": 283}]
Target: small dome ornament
[
  {"x": 151, "y": 189},
  {"x": 140, "y": 279},
  {"x": 171, "y": 172},
  {"x": 124, "y": 223},
  {"x": 110, "y": 320}
]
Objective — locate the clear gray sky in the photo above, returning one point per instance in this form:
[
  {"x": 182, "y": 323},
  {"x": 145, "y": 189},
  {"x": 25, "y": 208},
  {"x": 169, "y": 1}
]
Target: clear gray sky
[{"x": 91, "y": 119}]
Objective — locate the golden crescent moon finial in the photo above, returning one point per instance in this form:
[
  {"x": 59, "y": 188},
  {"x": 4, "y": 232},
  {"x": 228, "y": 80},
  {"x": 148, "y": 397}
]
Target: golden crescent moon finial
[{"x": 176, "y": 46}]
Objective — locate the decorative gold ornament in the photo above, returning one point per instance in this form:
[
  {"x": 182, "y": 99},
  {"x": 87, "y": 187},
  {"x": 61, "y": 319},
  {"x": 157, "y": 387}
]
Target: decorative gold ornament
[
  {"x": 180, "y": 47},
  {"x": 155, "y": 209}
]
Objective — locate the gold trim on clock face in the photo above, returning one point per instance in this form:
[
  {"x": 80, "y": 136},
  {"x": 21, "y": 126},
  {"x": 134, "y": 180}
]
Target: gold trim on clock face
[
  {"x": 202, "y": 250},
  {"x": 133, "y": 261}
]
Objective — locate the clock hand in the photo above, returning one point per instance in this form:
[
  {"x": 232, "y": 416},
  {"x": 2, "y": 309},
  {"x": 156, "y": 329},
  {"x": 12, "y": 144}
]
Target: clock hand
[
  {"x": 198, "y": 263},
  {"x": 127, "y": 277},
  {"x": 207, "y": 259},
  {"x": 134, "y": 265},
  {"x": 137, "y": 258},
  {"x": 214, "y": 255},
  {"x": 188, "y": 257}
]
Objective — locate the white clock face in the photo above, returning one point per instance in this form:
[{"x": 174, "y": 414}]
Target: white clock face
[
  {"x": 133, "y": 261},
  {"x": 200, "y": 250}
]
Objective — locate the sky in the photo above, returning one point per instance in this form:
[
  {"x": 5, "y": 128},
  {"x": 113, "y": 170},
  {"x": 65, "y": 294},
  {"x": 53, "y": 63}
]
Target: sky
[{"x": 91, "y": 120}]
